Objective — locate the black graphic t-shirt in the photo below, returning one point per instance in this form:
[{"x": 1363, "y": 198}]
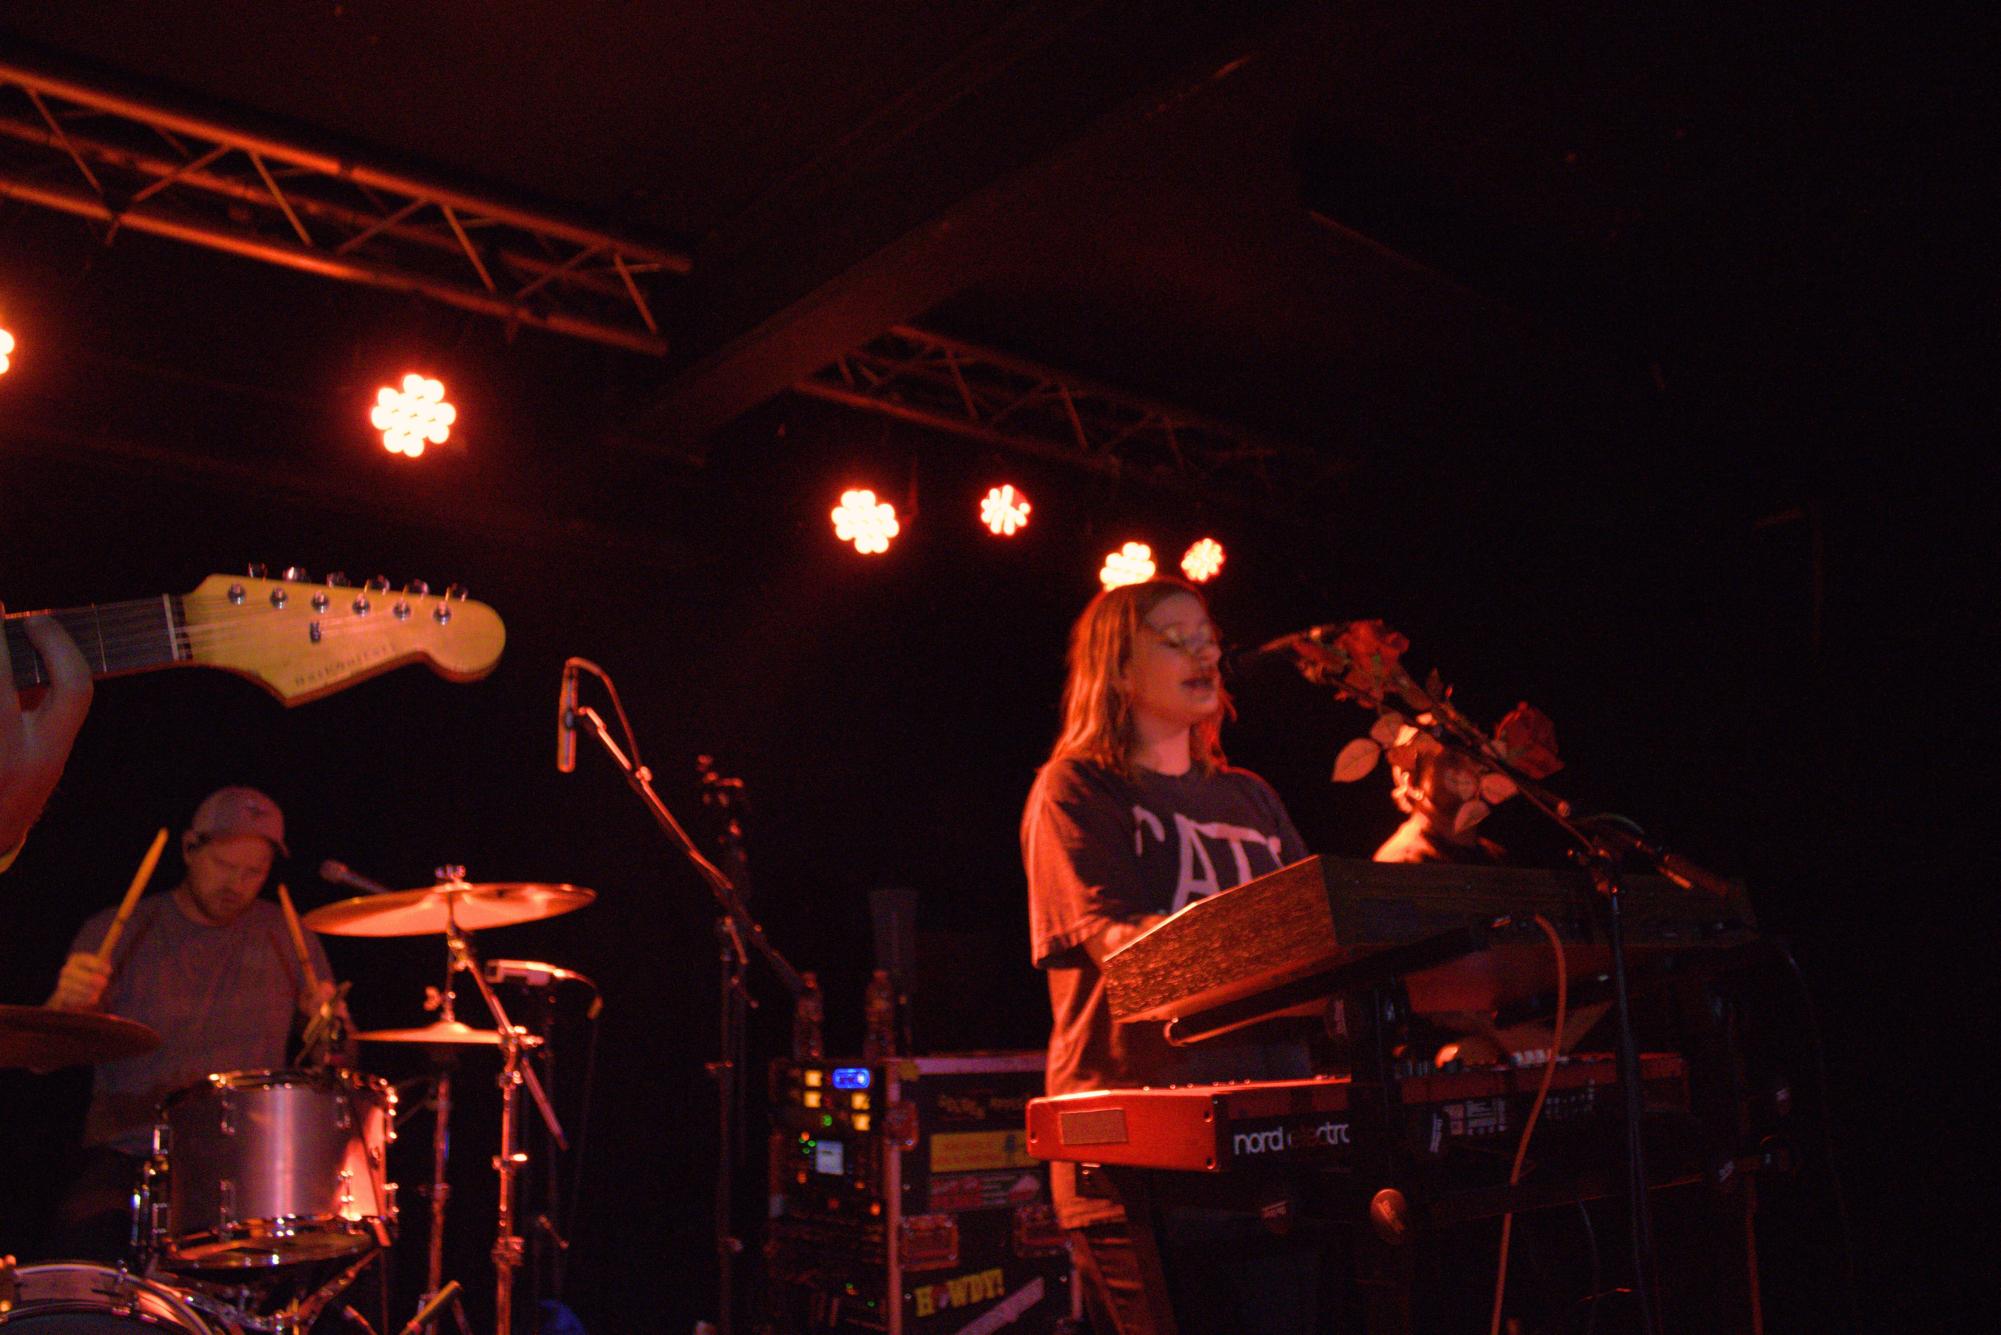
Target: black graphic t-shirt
[{"x": 1101, "y": 849}]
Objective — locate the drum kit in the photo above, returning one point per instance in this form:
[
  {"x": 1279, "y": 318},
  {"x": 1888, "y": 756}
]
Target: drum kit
[{"x": 268, "y": 1192}]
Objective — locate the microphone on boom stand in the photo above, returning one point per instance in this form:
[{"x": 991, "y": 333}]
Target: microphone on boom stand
[
  {"x": 566, "y": 720},
  {"x": 339, "y": 873}
]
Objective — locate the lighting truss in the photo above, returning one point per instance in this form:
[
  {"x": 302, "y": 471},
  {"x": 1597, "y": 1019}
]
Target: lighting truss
[
  {"x": 131, "y": 162},
  {"x": 951, "y": 385}
]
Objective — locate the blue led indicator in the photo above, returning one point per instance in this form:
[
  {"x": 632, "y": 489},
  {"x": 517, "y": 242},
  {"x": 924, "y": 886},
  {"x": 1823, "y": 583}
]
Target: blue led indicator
[{"x": 851, "y": 1077}]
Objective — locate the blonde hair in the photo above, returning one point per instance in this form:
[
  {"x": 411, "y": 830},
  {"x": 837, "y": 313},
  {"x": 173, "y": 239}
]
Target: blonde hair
[{"x": 1097, "y": 709}]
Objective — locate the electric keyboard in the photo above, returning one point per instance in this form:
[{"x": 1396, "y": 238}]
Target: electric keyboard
[{"x": 1311, "y": 1123}]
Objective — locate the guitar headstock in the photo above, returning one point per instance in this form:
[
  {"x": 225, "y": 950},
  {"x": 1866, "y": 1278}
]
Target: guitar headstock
[{"x": 302, "y": 640}]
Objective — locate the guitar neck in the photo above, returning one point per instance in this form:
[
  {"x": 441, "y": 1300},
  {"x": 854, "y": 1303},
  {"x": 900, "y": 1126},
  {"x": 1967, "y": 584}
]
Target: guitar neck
[{"x": 116, "y": 638}]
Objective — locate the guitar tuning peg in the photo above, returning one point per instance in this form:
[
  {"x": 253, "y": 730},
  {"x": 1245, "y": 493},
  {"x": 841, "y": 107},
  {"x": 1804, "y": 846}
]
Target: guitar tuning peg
[
  {"x": 258, "y": 570},
  {"x": 295, "y": 574},
  {"x": 380, "y": 584},
  {"x": 337, "y": 580},
  {"x": 456, "y": 592},
  {"x": 418, "y": 587}
]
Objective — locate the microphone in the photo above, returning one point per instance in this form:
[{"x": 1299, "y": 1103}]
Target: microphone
[
  {"x": 566, "y": 722},
  {"x": 339, "y": 873},
  {"x": 534, "y": 973},
  {"x": 1238, "y": 660}
]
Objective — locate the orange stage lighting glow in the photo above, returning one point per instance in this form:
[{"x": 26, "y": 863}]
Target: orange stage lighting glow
[
  {"x": 1004, "y": 510},
  {"x": 409, "y": 417},
  {"x": 1203, "y": 561},
  {"x": 1130, "y": 564},
  {"x": 866, "y": 522},
  {"x": 6, "y": 352}
]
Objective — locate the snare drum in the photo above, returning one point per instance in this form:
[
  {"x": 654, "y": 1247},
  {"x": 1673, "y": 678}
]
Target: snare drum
[
  {"x": 73, "y": 1298},
  {"x": 257, "y": 1169}
]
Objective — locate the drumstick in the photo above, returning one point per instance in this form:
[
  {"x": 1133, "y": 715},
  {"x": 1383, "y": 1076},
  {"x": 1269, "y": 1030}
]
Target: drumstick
[
  {"x": 139, "y": 879},
  {"x": 298, "y": 939}
]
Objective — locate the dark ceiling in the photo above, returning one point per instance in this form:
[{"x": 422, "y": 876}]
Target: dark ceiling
[{"x": 1345, "y": 224}]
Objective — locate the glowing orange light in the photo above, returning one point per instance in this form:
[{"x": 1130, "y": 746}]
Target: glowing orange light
[
  {"x": 409, "y": 417},
  {"x": 866, "y": 522},
  {"x": 1130, "y": 564},
  {"x": 1004, "y": 510},
  {"x": 6, "y": 352},
  {"x": 1203, "y": 561}
]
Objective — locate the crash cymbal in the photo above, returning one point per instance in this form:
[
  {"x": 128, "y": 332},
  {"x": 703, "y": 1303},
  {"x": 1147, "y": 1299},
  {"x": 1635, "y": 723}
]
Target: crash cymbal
[
  {"x": 43, "y": 1038},
  {"x": 422, "y": 912},
  {"x": 444, "y": 1033}
]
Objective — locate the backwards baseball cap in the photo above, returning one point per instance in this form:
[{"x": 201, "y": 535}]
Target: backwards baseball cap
[{"x": 232, "y": 811}]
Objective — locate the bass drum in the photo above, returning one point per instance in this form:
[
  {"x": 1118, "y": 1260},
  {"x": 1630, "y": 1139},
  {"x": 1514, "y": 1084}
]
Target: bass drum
[{"x": 76, "y": 1298}]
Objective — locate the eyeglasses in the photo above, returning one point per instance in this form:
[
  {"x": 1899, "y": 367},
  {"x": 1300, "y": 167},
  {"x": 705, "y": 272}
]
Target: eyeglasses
[{"x": 1197, "y": 642}]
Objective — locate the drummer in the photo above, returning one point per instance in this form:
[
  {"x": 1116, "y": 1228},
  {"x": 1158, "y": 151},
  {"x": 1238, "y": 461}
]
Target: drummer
[{"x": 213, "y": 969}]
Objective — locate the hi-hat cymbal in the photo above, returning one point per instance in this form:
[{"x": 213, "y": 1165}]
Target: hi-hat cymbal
[
  {"x": 44, "y": 1038},
  {"x": 422, "y": 912},
  {"x": 444, "y": 1033}
]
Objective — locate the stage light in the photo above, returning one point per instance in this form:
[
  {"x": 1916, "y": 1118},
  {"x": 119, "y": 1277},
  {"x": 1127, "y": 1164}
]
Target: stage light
[
  {"x": 409, "y": 417},
  {"x": 6, "y": 352},
  {"x": 866, "y": 522},
  {"x": 1203, "y": 561},
  {"x": 1004, "y": 510},
  {"x": 1130, "y": 564}
]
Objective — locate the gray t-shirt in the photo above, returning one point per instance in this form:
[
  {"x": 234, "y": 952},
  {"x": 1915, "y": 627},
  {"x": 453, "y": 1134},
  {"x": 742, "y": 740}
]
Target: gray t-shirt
[
  {"x": 1098, "y": 849},
  {"x": 222, "y": 999}
]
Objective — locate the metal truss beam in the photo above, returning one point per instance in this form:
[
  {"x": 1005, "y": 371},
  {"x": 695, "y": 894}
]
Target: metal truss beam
[
  {"x": 132, "y": 162},
  {"x": 918, "y": 376}
]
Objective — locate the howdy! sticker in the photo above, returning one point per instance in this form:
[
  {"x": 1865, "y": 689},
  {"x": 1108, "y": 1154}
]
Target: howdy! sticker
[{"x": 960, "y": 1291}]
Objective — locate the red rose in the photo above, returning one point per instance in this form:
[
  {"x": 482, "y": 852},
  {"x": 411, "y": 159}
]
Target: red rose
[
  {"x": 1374, "y": 653},
  {"x": 1526, "y": 739}
]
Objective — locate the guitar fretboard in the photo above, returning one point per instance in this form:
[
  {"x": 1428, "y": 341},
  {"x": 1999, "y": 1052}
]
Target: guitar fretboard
[{"x": 114, "y": 637}]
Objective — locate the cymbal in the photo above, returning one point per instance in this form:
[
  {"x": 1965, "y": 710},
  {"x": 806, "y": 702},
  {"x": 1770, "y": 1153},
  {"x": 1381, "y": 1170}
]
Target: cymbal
[
  {"x": 443, "y": 1033},
  {"x": 422, "y": 912},
  {"x": 44, "y": 1038}
]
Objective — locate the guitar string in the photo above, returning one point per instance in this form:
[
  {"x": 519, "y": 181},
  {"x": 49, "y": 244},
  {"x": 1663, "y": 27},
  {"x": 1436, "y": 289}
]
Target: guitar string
[
  {"x": 107, "y": 639},
  {"x": 112, "y": 629}
]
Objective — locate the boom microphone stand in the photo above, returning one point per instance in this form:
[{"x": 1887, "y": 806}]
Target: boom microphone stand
[
  {"x": 738, "y": 933},
  {"x": 1599, "y": 849}
]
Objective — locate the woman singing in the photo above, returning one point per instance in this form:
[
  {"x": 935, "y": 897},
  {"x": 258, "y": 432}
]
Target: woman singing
[{"x": 1135, "y": 815}]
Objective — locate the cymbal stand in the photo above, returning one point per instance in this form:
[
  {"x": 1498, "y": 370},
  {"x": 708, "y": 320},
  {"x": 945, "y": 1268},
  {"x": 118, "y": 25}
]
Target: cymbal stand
[
  {"x": 508, "y": 1246},
  {"x": 441, "y": 1153},
  {"x": 442, "y": 1066}
]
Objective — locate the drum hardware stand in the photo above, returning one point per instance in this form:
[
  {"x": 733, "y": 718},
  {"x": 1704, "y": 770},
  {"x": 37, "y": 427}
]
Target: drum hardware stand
[
  {"x": 326, "y": 1034},
  {"x": 737, "y": 933},
  {"x": 295, "y": 1318},
  {"x": 514, "y": 1073},
  {"x": 427, "y": 1311},
  {"x": 439, "y": 1194}
]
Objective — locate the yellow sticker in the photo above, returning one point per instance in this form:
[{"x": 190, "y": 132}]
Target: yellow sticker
[
  {"x": 961, "y": 1291},
  {"x": 977, "y": 1151}
]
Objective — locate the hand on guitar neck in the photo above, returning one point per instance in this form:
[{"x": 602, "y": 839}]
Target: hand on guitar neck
[
  {"x": 35, "y": 740},
  {"x": 298, "y": 640}
]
